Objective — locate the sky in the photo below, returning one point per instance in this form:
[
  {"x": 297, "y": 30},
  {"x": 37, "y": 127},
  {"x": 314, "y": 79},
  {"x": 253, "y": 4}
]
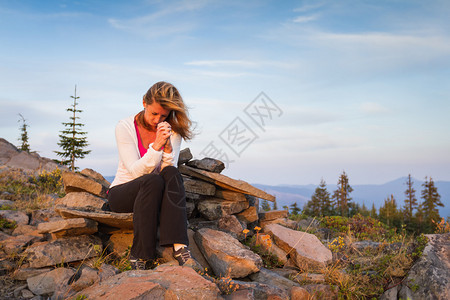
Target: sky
[{"x": 284, "y": 92}]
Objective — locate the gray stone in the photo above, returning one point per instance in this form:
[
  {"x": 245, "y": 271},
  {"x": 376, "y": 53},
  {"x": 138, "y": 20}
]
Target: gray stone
[
  {"x": 6, "y": 203},
  {"x": 48, "y": 283},
  {"x": 196, "y": 253},
  {"x": 63, "y": 250},
  {"x": 87, "y": 277},
  {"x": 81, "y": 200},
  {"x": 226, "y": 255},
  {"x": 299, "y": 293},
  {"x": 232, "y": 225},
  {"x": 69, "y": 227},
  {"x": 117, "y": 220},
  {"x": 185, "y": 156},
  {"x": 208, "y": 164},
  {"x": 25, "y": 273},
  {"x": 4, "y": 236},
  {"x": 165, "y": 282},
  {"x": 27, "y": 294},
  {"x": 305, "y": 249},
  {"x": 200, "y": 187},
  {"x": 26, "y": 230},
  {"x": 76, "y": 182},
  {"x": 263, "y": 291},
  {"x": 16, "y": 244},
  {"x": 430, "y": 275},
  {"x": 266, "y": 242},
  {"x": 15, "y": 216},
  {"x": 226, "y": 182},
  {"x": 404, "y": 293},
  {"x": 105, "y": 271},
  {"x": 271, "y": 278},
  {"x": 190, "y": 207},
  {"x": 120, "y": 242},
  {"x": 215, "y": 208},
  {"x": 391, "y": 294}
]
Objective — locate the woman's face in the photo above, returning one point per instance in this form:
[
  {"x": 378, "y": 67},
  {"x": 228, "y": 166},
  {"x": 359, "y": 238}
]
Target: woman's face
[{"x": 155, "y": 114}]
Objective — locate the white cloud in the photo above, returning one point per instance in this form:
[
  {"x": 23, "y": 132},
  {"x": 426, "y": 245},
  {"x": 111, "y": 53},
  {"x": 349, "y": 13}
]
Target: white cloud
[
  {"x": 372, "y": 108},
  {"x": 305, "y": 19}
]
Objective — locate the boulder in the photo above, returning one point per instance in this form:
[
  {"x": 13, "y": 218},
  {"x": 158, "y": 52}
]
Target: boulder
[
  {"x": 26, "y": 230},
  {"x": 47, "y": 283},
  {"x": 226, "y": 182},
  {"x": 195, "y": 251},
  {"x": 44, "y": 215},
  {"x": 232, "y": 225},
  {"x": 120, "y": 242},
  {"x": 77, "y": 182},
  {"x": 208, "y": 164},
  {"x": 226, "y": 255},
  {"x": 16, "y": 244},
  {"x": 167, "y": 282},
  {"x": 84, "y": 278},
  {"x": 299, "y": 293},
  {"x": 24, "y": 273},
  {"x": 305, "y": 249},
  {"x": 271, "y": 278},
  {"x": 69, "y": 227},
  {"x": 430, "y": 275},
  {"x": 185, "y": 156},
  {"x": 266, "y": 242},
  {"x": 262, "y": 290},
  {"x": 5, "y": 204},
  {"x": 81, "y": 200},
  {"x": 215, "y": 208},
  {"x": 198, "y": 187},
  {"x": 63, "y": 250},
  {"x": 117, "y": 220},
  {"x": 96, "y": 176},
  {"x": 14, "y": 216}
]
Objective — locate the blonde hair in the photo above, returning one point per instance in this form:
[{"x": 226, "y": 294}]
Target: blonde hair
[{"x": 166, "y": 95}]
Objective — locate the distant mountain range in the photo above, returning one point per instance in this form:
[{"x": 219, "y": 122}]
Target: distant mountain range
[{"x": 362, "y": 194}]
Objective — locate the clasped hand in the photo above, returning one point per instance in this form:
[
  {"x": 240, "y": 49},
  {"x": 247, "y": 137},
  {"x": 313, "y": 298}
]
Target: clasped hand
[{"x": 163, "y": 133}]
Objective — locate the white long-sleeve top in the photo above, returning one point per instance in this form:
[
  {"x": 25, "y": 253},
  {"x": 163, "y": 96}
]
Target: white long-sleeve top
[{"x": 131, "y": 164}]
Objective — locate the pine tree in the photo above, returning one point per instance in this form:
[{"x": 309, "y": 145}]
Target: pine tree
[
  {"x": 342, "y": 195},
  {"x": 72, "y": 140},
  {"x": 320, "y": 203},
  {"x": 388, "y": 211},
  {"x": 265, "y": 205},
  {"x": 373, "y": 211},
  {"x": 431, "y": 200},
  {"x": 294, "y": 209},
  {"x": 24, "y": 145},
  {"x": 410, "y": 201},
  {"x": 275, "y": 206},
  {"x": 285, "y": 207}
]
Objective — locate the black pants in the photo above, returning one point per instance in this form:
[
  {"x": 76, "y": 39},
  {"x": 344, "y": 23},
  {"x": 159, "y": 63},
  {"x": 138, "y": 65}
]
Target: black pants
[{"x": 155, "y": 199}]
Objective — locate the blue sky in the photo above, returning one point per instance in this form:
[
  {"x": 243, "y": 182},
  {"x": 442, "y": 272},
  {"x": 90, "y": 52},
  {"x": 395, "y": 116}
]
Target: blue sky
[{"x": 360, "y": 86}]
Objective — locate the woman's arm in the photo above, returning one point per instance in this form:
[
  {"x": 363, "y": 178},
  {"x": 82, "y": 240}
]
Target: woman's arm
[
  {"x": 129, "y": 155},
  {"x": 171, "y": 159}
]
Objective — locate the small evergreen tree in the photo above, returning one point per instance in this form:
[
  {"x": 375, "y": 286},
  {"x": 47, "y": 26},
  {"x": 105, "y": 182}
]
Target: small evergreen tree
[
  {"x": 410, "y": 202},
  {"x": 431, "y": 200},
  {"x": 373, "y": 211},
  {"x": 265, "y": 205},
  {"x": 24, "y": 145},
  {"x": 294, "y": 209},
  {"x": 72, "y": 140},
  {"x": 388, "y": 211},
  {"x": 275, "y": 206},
  {"x": 342, "y": 195},
  {"x": 285, "y": 207}
]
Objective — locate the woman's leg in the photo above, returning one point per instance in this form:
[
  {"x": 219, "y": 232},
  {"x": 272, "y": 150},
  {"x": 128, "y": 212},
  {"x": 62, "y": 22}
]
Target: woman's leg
[
  {"x": 142, "y": 196},
  {"x": 173, "y": 219}
]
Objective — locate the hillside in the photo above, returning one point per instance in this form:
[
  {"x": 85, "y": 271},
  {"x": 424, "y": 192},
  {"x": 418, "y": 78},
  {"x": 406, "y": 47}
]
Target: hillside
[{"x": 362, "y": 194}]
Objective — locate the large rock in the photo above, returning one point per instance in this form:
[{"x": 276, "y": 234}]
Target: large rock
[
  {"x": 271, "y": 278},
  {"x": 261, "y": 291},
  {"x": 49, "y": 282},
  {"x": 199, "y": 187},
  {"x": 305, "y": 249},
  {"x": 63, "y": 250},
  {"x": 208, "y": 164},
  {"x": 167, "y": 282},
  {"x": 77, "y": 182},
  {"x": 230, "y": 195},
  {"x": 14, "y": 158},
  {"x": 120, "y": 242},
  {"x": 96, "y": 176},
  {"x": 215, "y": 208},
  {"x": 81, "y": 199},
  {"x": 117, "y": 220},
  {"x": 185, "y": 156},
  {"x": 266, "y": 243},
  {"x": 430, "y": 275},
  {"x": 16, "y": 244},
  {"x": 248, "y": 215},
  {"x": 232, "y": 225},
  {"x": 272, "y": 215},
  {"x": 15, "y": 216},
  {"x": 195, "y": 251},
  {"x": 226, "y": 182},
  {"x": 226, "y": 255},
  {"x": 69, "y": 227}
]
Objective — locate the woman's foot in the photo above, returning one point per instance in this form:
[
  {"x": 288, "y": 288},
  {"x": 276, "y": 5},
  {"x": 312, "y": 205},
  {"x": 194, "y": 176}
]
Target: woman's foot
[
  {"x": 138, "y": 264},
  {"x": 182, "y": 255}
]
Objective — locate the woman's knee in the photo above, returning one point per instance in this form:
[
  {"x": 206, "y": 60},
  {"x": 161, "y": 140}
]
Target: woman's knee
[
  {"x": 152, "y": 181},
  {"x": 170, "y": 171}
]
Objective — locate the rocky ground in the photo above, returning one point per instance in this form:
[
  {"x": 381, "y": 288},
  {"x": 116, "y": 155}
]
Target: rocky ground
[{"x": 68, "y": 245}]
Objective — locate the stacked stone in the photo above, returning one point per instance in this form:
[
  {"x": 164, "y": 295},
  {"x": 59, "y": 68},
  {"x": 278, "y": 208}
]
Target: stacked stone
[{"x": 217, "y": 201}]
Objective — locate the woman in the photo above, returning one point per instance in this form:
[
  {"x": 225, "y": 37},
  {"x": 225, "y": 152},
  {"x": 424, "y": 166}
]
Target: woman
[{"x": 147, "y": 181}]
